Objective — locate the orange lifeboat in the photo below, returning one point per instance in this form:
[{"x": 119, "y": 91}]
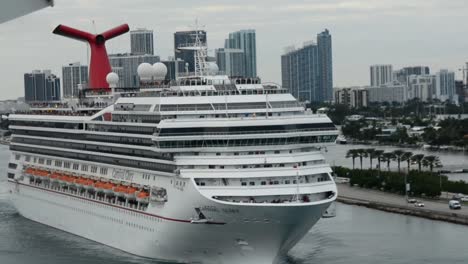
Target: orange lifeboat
[
  {"x": 108, "y": 187},
  {"x": 130, "y": 192},
  {"x": 88, "y": 184},
  {"x": 142, "y": 196},
  {"x": 120, "y": 190}
]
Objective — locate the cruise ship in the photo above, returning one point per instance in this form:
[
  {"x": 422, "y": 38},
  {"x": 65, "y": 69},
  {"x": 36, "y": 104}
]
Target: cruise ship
[{"x": 203, "y": 169}]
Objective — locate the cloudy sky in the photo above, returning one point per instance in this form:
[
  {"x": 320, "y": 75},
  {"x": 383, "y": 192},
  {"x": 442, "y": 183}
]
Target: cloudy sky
[{"x": 365, "y": 32}]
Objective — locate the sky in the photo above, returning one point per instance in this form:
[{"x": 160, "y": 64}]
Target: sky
[{"x": 365, "y": 32}]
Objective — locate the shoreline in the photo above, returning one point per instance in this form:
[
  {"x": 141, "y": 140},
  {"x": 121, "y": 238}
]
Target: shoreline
[{"x": 388, "y": 203}]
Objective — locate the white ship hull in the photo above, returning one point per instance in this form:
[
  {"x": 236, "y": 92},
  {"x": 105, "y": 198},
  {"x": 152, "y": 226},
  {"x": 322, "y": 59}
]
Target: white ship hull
[{"x": 173, "y": 238}]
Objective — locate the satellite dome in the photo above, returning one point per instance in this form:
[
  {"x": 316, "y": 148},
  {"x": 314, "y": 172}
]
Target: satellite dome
[
  {"x": 145, "y": 71},
  {"x": 212, "y": 68},
  {"x": 160, "y": 70},
  {"x": 112, "y": 79}
]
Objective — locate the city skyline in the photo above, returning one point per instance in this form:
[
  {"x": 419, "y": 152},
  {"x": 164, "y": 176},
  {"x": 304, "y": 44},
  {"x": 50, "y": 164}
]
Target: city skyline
[{"x": 351, "y": 57}]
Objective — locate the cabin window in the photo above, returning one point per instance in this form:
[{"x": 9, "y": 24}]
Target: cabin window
[{"x": 243, "y": 184}]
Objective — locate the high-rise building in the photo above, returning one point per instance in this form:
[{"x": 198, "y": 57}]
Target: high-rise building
[
  {"x": 245, "y": 40},
  {"x": 300, "y": 72},
  {"x": 129, "y": 64},
  {"x": 231, "y": 61},
  {"x": 402, "y": 75},
  {"x": 324, "y": 44},
  {"x": 41, "y": 86},
  {"x": 393, "y": 92},
  {"x": 174, "y": 68},
  {"x": 354, "y": 97},
  {"x": 421, "y": 87},
  {"x": 73, "y": 74},
  {"x": 445, "y": 86},
  {"x": 184, "y": 39},
  {"x": 380, "y": 75},
  {"x": 142, "y": 41},
  {"x": 308, "y": 72}
]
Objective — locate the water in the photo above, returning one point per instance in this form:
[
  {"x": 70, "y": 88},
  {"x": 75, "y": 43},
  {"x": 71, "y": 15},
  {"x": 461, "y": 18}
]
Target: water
[
  {"x": 336, "y": 155},
  {"x": 356, "y": 236}
]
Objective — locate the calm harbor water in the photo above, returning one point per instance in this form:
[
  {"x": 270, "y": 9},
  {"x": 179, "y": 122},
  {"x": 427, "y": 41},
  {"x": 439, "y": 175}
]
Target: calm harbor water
[{"x": 356, "y": 236}]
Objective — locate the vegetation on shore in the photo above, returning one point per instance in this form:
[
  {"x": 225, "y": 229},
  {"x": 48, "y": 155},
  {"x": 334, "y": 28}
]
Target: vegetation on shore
[{"x": 422, "y": 183}]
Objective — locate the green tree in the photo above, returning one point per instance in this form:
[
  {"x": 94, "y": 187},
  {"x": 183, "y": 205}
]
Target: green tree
[
  {"x": 418, "y": 158},
  {"x": 398, "y": 154},
  {"x": 361, "y": 154},
  {"x": 352, "y": 153},
  {"x": 370, "y": 152},
  {"x": 407, "y": 157},
  {"x": 388, "y": 157},
  {"x": 431, "y": 162},
  {"x": 378, "y": 154}
]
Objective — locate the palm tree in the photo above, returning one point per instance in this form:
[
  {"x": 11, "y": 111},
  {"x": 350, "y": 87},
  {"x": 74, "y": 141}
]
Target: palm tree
[
  {"x": 352, "y": 153},
  {"x": 388, "y": 157},
  {"x": 370, "y": 152},
  {"x": 378, "y": 154},
  {"x": 361, "y": 154},
  {"x": 407, "y": 157},
  {"x": 398, "y": 154},
  {"x": 418, "y": 158},
  {"x": 431, "y": 162}
]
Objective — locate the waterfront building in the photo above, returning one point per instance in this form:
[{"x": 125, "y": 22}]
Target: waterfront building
[
  {"x": 402, "y": 75},
  {"x": 183, "y": 39},
  {"x": 390, "y": 92},
  {"x": 129, "y": 64},
  {"x": 324, "y": 44},
  {"x": 142, "y": 41},
  {"x": 73, "y": 75},
  {"x": 41, "y": 86},
  {"x": 245, "y": 41},
  {"x": 174, "y": 67},
  {"x": 353, "y": 97},
  {"x": 421, "y": 86},
  {"x": 461, "y": 91},
  {"x": 231, "y": 61},
  {"x": 300, "y": 73},
  {"x": 307, "y": 72},
  {"x": 380, "y": 75},
  {"x": 445, "y": 86}
]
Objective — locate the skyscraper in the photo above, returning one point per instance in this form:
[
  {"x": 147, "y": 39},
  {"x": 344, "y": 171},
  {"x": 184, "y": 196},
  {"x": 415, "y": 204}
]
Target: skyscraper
[
  {"x": 174, "y": 67},
  {"x": 142, "y": 41},
  {"x": 300, "y": 72},
  {"x": 308, "y": 72},
  {"x": 231, "y": 61},
  {"x": 445, "y": 86},
  {"x": 73, "y": 74},
  {"x": 380, "y": 75},
  {"x": 402, "y": 75},
  {"x": 129, "y": 64},
  {"x": 325, "y": 85},
  {"x": 41, "y": 86},
  {"x": 185, "y": 39},
  {"x": 245, "y": 40}
]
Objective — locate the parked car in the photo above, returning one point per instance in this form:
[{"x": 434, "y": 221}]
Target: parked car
[
  {"x": 454, "y": 205},
  {"x": 418, "y": 204},
  {"x": 464, "y": 199},
  {"x": 411, "y": 200}
]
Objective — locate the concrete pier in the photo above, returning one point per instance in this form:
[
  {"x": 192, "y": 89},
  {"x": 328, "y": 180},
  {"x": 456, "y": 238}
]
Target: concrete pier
[{"x": 435, "y": 210}]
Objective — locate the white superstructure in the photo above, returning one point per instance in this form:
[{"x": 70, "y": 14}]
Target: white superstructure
[{"x": 205, "y": 169}]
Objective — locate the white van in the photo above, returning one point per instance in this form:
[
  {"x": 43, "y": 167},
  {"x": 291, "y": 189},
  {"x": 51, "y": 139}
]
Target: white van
[{"x": 454, "y": 205}]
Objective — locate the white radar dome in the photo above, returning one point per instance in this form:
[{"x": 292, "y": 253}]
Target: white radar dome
[
  {"x": 212, "y": 68},
  {"x": 160, "y": 70},
  {"x": 112, "y": 79},
  {"x": 145, "y": 71}
]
